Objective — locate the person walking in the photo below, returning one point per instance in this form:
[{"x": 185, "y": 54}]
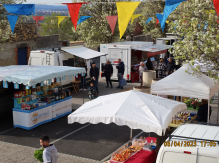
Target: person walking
[
  {"x": 170, "y": 66},
  {"x": 142, "y": 68},
  {"x": 162, "y": 69},
  {"x": 121, "y": 69},
  {"x": 83, "y": 78},
  {"x": 94, "y": 74},
  {"x": 202, "y": 115},
  {"x": 108, "y": 72},
  {"x": 50, "y": 151},
  {"x": 149, "y": 64}
]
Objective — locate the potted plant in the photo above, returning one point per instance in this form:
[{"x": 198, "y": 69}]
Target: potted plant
[{"x": 38, "y": 154}]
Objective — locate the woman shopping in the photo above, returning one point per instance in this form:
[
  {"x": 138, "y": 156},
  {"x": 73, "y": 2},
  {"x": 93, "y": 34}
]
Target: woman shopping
[
  {"x": 108, "y": 72},
  {"x": 162, "y": 68}
]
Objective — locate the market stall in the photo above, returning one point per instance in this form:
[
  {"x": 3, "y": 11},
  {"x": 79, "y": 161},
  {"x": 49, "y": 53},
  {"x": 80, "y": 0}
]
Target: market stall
[
  {"x": 41, "y": 99},
  {"x": 182, "y": 83},
  {"x": 132, "y": 108}
]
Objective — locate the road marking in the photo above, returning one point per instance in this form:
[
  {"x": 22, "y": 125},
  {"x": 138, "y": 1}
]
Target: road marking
[
  {"x": 107, "y": 157},
  {"x": 6, "y": 131},
  {"x": 70, "y": 134}
]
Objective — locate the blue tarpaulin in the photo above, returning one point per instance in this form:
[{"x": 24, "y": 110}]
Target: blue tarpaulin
[
  {"x": 172, "y": 2},
  {"x": 20, "y": 9},
  {"x": 149, "y": 19},
  {"x": 83, "y": 18},
  {"x": 12, "y": 21}
]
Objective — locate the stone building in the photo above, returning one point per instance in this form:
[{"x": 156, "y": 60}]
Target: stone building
[{"x": 17, "y": 49}]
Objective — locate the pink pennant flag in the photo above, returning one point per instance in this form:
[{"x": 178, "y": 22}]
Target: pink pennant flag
[
  {"x": 112, "y": 22},
  {"x": 38, "y": 18}
]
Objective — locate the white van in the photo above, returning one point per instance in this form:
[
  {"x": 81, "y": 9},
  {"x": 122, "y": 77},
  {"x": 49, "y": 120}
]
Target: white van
[{"x": 182, "y": 147}]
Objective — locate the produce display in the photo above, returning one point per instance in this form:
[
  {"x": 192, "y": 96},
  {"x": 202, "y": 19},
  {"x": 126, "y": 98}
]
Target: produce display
[
  {"x": 39, "y": 96},
  {"x": 182, "y": 118}
]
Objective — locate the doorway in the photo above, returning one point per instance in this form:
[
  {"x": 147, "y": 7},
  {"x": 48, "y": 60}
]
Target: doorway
[{"x": 22, "y": 56}]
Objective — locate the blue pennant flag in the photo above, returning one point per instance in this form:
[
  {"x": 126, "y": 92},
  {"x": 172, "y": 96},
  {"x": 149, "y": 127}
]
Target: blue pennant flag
[
  {"x": 20, "y": 9},
  {"x": 27, "y": 87},
  {"x": 149, "y": 19},
  {"x": 70, "y": 77},
  {"x": 5, "y": 84},
  {"x": 167, "y": 11},
  {"x": 172, "y": 2},
  {"x": 16, "y": 86},
  {"x": 12, "y": 21},
  {"x": 83, "y": 18},
  {"x": 160, "y": 18}
]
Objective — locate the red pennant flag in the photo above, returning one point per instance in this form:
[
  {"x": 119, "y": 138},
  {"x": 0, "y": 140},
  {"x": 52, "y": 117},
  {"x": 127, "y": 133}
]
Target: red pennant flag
[
  {"x": 157, "y": 21},
  {"x": 38, "y": 18},
  {"x": 74, "y": 9},
  {"x": 112, "y": 22},
  {"x": 216, "y": 6}
]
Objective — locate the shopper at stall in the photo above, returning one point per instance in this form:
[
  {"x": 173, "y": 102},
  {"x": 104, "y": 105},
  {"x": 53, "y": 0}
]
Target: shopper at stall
[
  {"x": 162, "y": 68},
  {"x": 121, "y": 69},
  {"x": 149, "y": 64},
  {"x": 108, "y": 72},
  {"x": 83, "y": 78},
  {"x": 50, "y": 151},
  {"x": 170, "y": 66},
  {"x": 202, "y": 115},
  {"x": 94, "y": 74},
  {"x": 142, "y": 68}
]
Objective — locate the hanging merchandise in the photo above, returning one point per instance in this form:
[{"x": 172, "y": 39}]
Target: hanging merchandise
[
  {"x": 88, "y": 64},
  {"x": 38, "y": 18},
  {"x": 60, "y": 19},
  {"x": 20, "y": 9},
  {"x": 57, "y": 79},
  {"x": 149, "y": 19},
  {"x": 74, "y": 10},
  {"x": 5, "y": 84},
  {"x": 12, "y": 19},
  {"x": 70, "y": 77},
  {"x": 135, "y": 16},
  {"x": 112, "y": 22},
  {"x": 216, "y": 6},
  {"x": 125, "y": 11},
  {"x": 34, "y": 86},
  {"x": 172, "y": 2},
  {"x": 49, "y": 81},
  {"x": 27, "y": 87},
  {"x": 16, "y": 86},
  {"x": 83, "y": 18},
  {"x": 42, "y": 84}
]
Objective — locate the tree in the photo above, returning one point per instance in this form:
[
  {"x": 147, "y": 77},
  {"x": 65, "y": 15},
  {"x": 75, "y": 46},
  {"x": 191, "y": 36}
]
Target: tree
[
  {"x": 196, "y": 23},
  {"x": 65, "y": 30}
]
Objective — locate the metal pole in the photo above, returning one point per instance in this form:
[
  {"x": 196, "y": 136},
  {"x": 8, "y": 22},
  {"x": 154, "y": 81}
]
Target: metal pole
[
  {"x": 181, "y": 98},
  {"x": 217, "y": 104},
  {"x": 208, "y": 109},
  {"x": 131, "y": 135},
  {"x": 83, "y": 86}
]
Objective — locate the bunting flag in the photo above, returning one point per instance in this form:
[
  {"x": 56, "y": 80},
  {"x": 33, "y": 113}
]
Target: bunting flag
[
  {"x": 167, "y": 21},
  {"x": 125, "y": 11},
  {"x": 135, "y": 16},
  {"x": 12, "y": 21},
  {"x": 157, "y": 21},
  {"x": 112, "y": 22},
  {"x": 20, "y": 9},
  {"x": 160, "y": 17},
  {"x": 216, "y": 6},
  {"x": 172, "y": 2},
  {"x": 167, "y": 11},
  {"x": 74, "y": 11},
  {"x": 16, "y": 86},
  {"x": 83, "y": 18},
  {"x": 38, "y": 18},
  {"x": 60, "y": 19},
  {"x": 149, "y": 19}
]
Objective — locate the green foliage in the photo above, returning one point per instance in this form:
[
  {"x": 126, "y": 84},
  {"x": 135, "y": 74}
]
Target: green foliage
[
  {"x": 197, "y": 43},
  {"x": 38, "y": 154},
  {"x": 50, "y": 27}
]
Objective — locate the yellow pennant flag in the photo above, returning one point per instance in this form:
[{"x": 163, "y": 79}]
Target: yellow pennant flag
[
  {"x": 135, "y": 16},
  {"x": 125, "y": 11},
  {"x": 60, "y": 19},
  {"x": 167, "y": 21}
]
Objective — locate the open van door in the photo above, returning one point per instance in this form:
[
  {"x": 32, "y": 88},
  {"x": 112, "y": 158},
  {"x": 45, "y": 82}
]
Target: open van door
[{"x": 123, "y": 53}]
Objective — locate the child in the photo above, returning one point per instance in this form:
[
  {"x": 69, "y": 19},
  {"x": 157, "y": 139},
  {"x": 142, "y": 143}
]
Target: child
[{"x": 92, "y": 90}]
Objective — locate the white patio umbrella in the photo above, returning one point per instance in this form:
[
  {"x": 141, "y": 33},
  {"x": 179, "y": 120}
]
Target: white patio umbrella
[{"x": 132, "y": 108}]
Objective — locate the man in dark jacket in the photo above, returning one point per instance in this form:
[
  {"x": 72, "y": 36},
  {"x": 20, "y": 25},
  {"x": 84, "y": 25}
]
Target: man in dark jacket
[
  {"x": 94, "y": 74},
  {"x": 149, "y": 64},
  {"x": 121, "y": 69},
  {"x": 83, "y": 78},
  {"x": 108, "y": 72},
  {"x": 202, "y": 115},
  {"x": 170, "y": 66}
]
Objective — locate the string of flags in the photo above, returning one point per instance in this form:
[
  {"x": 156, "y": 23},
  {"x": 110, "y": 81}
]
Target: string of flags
[{"x": 125, "y": 14}]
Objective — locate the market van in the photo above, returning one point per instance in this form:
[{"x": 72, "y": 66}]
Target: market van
[{"x": 191, "y": 143}]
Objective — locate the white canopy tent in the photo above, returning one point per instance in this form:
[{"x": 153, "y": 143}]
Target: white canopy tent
[
  {"x": 31, "y": 75},
  {"x": 181, "y": 83},
  {"x": 83, "y": 52},
  {"x": 132, "y": 108},
  {"x": 153, "y": 48}
]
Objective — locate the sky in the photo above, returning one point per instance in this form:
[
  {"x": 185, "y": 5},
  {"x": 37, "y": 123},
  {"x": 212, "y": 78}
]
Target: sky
[{"x": 48, "y": 2}]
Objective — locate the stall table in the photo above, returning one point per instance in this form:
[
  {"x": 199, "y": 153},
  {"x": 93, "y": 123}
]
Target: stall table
[
  {"x": 76, "y": 86},
  {"x": 29, "y": 119}
]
